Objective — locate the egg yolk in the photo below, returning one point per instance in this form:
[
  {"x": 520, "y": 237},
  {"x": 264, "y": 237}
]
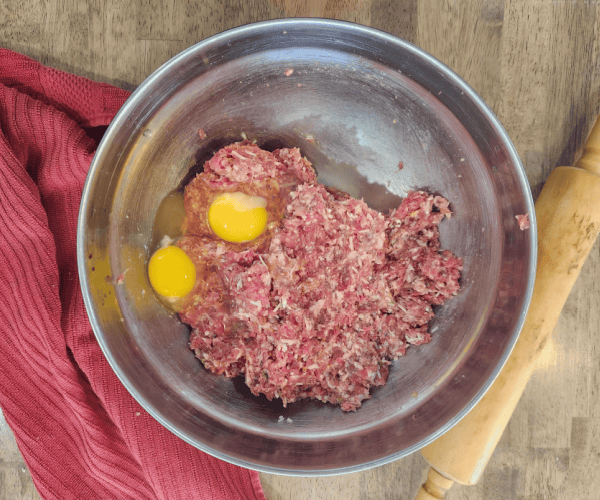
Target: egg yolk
[
  {"x": 238, "y": 217},
  {"x": 172, "y": 273}
]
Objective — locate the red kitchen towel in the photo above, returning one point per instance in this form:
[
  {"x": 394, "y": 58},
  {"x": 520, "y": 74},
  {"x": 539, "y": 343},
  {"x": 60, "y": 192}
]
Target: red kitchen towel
[{"x": 81, "y": 433}]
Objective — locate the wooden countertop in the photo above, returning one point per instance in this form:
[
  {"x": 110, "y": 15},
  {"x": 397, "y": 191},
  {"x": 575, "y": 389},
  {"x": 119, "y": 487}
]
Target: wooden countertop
[{"x": 535, "y": 62}]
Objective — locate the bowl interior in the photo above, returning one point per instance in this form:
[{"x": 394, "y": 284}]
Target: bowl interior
[{"x": 369, "y": 101}]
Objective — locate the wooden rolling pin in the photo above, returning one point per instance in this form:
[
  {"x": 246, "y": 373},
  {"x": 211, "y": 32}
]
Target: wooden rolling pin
[{"x": 568, "y": 218}]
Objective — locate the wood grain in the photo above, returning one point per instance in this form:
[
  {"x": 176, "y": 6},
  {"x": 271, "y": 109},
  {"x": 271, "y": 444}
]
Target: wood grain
[
  {"x": 15, "y": 481},
  {"x": 535, "y": 62}
]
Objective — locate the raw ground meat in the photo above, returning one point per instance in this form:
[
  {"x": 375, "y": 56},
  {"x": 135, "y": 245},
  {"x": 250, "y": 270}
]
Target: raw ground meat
[
  {"x": 523, "y": 221},
  {"x": 339, "y": 291}
]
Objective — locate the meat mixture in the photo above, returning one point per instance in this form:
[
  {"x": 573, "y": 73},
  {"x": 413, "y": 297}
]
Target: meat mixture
[
  {"x": 331, "y": 294},
  {"x": 523, "y": 221}
]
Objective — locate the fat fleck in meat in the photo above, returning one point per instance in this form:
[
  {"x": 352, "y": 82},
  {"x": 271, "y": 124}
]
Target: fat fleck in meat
[
  {"x": 341, "y": 291},
  {"x": 523, "y": 221}
]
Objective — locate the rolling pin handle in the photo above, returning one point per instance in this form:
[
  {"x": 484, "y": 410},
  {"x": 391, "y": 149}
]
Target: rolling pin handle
[
  {"x": 435, "y": 487},
  {"x": 590, "y": 159}
]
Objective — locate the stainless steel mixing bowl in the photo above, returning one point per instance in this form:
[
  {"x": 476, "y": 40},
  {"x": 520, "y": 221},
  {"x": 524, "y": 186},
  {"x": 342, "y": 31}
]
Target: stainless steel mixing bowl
[{"x": 369, "y": 100}]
